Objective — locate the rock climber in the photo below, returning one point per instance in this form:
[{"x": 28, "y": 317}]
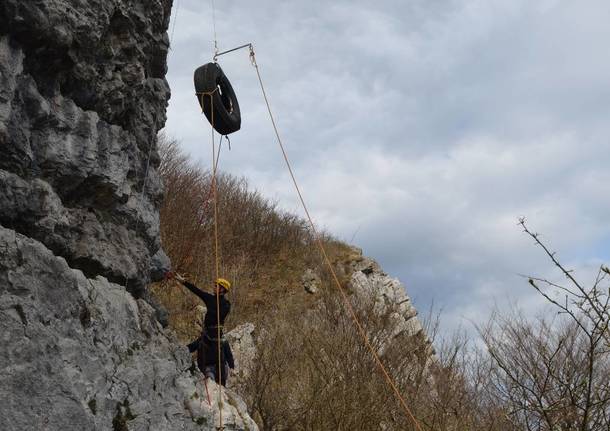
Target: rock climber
[{"x": 206, "y": 345}]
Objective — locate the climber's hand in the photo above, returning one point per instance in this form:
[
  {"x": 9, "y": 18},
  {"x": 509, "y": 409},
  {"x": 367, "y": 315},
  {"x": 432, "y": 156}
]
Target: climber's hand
[{"x": 180, "y": 278}]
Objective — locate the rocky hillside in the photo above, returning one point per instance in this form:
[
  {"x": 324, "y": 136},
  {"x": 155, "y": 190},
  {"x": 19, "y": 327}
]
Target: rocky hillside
[
  {"x": 297, "y": 350},
  {"x": 388, "y": 295},
  {"x": 82, "y": 97}
]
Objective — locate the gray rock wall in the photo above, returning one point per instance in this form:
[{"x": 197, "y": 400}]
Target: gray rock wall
[
  {"x": 82, "y": 96},
  {"x": 84, "y": 354}
]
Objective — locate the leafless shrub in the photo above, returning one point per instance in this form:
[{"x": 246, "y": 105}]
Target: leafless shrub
[
  {"x": 314, "y": 372},
  {"x": 553, "y": 373}
]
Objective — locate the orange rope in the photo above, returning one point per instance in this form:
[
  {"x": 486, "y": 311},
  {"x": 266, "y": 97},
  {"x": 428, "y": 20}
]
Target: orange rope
[
  {"x": 217, "y": 264},
  {"x": 185, "y": 260},
  {"x": 205, "y": 383},
  {"x": 349, "y": 306},
  {"x": 216, "y": 259}
]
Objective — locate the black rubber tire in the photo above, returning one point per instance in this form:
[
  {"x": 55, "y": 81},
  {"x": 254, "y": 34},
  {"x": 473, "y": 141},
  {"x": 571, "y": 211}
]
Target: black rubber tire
[{"x": 227, "y": 118}]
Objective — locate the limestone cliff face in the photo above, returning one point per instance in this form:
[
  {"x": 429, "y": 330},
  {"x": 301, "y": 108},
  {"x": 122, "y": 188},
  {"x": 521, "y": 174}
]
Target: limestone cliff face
[
  {"x": 386, "y": 296},
  {"x": 367, "y": 279},
  {"x": 82, "y": 353},
  {"x": 82, "y": 96}
]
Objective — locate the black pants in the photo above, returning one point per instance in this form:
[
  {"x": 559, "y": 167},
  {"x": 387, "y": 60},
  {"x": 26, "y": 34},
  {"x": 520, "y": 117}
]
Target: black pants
[{"x": 207, "y": 358}]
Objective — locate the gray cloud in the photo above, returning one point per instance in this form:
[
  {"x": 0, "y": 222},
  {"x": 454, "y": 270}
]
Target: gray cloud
[{"x": 422, "y": 130}]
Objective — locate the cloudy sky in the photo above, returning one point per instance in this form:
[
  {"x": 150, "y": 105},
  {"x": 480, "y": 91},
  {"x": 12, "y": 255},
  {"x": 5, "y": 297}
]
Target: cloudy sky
[{"x": 421, "y": 130}]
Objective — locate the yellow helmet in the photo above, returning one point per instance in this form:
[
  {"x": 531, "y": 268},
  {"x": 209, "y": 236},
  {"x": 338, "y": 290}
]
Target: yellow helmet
[{"x": 224, "y": 283}]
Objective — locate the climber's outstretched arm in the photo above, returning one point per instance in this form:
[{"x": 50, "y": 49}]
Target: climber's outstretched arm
[{"x": 206, "y": 297}]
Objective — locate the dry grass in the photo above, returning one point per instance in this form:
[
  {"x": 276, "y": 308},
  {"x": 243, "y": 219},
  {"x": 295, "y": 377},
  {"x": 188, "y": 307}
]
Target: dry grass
[
  {"x": 313, "y": 371},
  {"x": 263, "y": 250}
]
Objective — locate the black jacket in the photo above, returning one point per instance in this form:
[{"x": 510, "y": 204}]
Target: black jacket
[{"x": 211, "y": 320}]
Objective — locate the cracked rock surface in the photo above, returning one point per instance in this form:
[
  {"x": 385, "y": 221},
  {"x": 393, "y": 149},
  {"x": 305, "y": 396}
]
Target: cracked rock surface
[
  {"x": 82, "y": 97},
  {"x": 84, "y": 354}
]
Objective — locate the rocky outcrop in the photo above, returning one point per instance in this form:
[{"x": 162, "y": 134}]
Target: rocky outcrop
[
  {"x": 243, "y": 345},
  {"x": 387, "y": 294},
  {"x": 310, "y": 281},
  {"x": 82, "y": 97},
  {"x": 84, "y": 354}
]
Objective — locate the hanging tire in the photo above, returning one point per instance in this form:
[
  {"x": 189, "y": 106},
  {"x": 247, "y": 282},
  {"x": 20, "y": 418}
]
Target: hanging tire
[{"x": 214, "y": 91}]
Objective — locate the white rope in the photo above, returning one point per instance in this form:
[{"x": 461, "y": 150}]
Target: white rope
[
  {"x": 171, "y": 37},
  {"x": 142, "y": 194},
  {"x": 214, "y": 25}
]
